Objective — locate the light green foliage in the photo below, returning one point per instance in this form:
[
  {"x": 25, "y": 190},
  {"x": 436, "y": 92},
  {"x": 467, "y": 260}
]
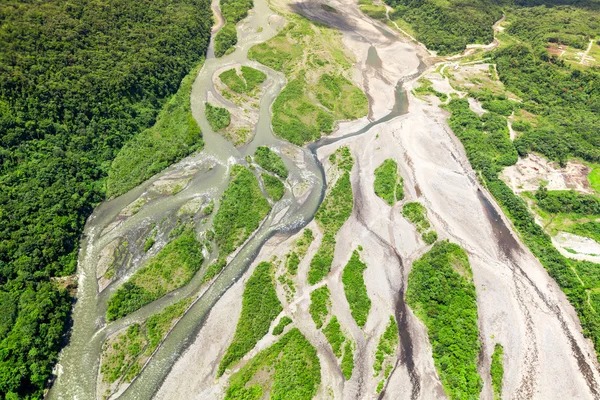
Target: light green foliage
[
  {"x": 348, "y": 360},
  {"x": 209, "y": 208},
  {"x": 122, "y": 356},
  {"x": 260, "y": 306},
  {"x": 233, "y": 11},
  {"x": 270, "y": 161},
  {"x": 342, "y": 159},
  {"x": 380, "y": 386},
  {"x": 174, "y": 135},
  {"x": 218, "y": 117},
  {"x": 426, "y": 88},
  {"x": 355, "y": 289},
  {"x": 416, "y": 213},
  {"x": 214, "y": 269},
  {"x": 387, "y": 347},
  {"x": 374, "y": 11},
  {"x": 333, "y": 212},
  {"x": 275, "y": 188},
  {"x": 242, "y": 208},
  {"x": 341, "y": 97},
  {"x": 244, "y": 84},
  {"x": 334, "y": 335},
  {"x": 295, "y": 256},
  {"x": 170, "y": 269},
  {"x": 388, "y": 184},
  {"x": 319, "y": 305},
  {"x": 446, "y": 303},
  {"x": 497, "y": 370},
  {"x": 293, "y": 368},
  {"x": 283, "y": 322}
]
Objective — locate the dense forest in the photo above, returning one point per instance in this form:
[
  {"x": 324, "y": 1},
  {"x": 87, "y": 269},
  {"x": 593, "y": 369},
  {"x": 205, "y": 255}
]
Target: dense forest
[{"x": 78, "y": 79}]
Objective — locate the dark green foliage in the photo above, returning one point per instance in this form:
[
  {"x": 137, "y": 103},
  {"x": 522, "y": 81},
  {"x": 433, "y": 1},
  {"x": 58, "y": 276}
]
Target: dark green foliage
[
  {"x": 429, "y": 237},
  {"x": 233, "y": 11},
  {"x": 218, "y": 117},
  {"x": 388, "y": 183},
  {"x": 270, "y": 161},
  {"x": 416, "y": 213},
  {"x": 149, "y": 243},
  {"x": 566, "y": 102},
  {"x": 319, "y": 305},
  {"x": 355, "y": 289},
  {"x": 449, "y": 26},
  {"x": 568, "y": 202},
  {"x": 502, "y": 107},
  {"x": 497, "y": 370},
  {"x": 283, "y": 322},
  {"x": 260, "y": 306},
  {"x": 172, "y": 268},
  {"x": 275, "y": 188},
  {"x": 174, "y": 135},
  {"x": 242, "y": 208},
  {"x": 446, "y": 302},
  {"x": 334, "y": 335},
  {"x": 587, "y": 229},
  {"x": 387, "y": 347},
  {"x": 214, "y": 269},
  {"x": 348, "y": 360},
  {"x": 78, "y": 80},
  {"x": 295, "y": 369}
]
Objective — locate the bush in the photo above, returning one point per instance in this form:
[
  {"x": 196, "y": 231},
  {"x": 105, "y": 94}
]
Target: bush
[
  {"x": 218, "y": 117},
  {"x": 388, "y": 183},
  {"x": 274, "y": 186},
  {"x": 356, "y": 290},
  {"x": 319, "y": 305},
  {"x": 387, "y": 347},
  {"x": 270, "y": 161},
  {"x": 283, "y": 322},
  {"x": 497, "y": 370},
  {"x": 335, "y": 337}
]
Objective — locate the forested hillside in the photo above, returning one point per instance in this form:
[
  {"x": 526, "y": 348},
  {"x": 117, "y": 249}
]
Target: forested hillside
[{"x": 78, "y": 79}]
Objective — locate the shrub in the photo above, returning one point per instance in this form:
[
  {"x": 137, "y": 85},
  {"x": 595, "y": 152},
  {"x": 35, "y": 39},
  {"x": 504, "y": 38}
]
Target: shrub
[{"x": 218, "y": 117}]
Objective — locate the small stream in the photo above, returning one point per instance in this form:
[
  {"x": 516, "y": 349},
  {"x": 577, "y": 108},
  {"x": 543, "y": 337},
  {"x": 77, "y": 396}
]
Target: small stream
[{"x": 79, "y": 361}]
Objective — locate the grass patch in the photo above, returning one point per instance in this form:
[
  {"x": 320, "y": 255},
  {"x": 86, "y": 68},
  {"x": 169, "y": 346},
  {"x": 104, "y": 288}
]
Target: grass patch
[
  {"x": 374, "y": 11},
  {"x": 170, "y": 269},
  {"x": 275, "y": 188},
  {"x": 356, "y": 290},
  {"x": 426, "y": 88},
  {"x": 242, "y": 208},
  {"x": 416, "y": 213},
  {"x": 497, "y": 370},
  {"x": 333, "y": 212},
  {"x": 283, "y": 322},
  {"x": 233, "y": 11},
  {"x": 292, "y": 370},
  {"x": 388, "y": 183},
  {"x": 348, "y": 360},
  {"x": 245, "y": 84},
  {"x": 218, "y": 117},
  {"x": 318, "y": 91},
  {"x": 300, "y": 248},
  {"x": 233, "y": 81},
  {"x": 270, "y": 161},
  {"x": 214, "y": 269},
  {"x": 260, "y": 307},
  {"x": 319, "y": 305},
  {"x": 124, "y": 355},
  {"x": 174, "y": 135},
  {"x": 387, "y": 347},
  {"x": 446, "y": 303}
]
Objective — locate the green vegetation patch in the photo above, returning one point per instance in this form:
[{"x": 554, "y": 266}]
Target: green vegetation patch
[
  {"x": 319, "y": 305},
  {"x": 446, "y": 303},
  {"x": 260, "y": 307},
  {"x": 341, "y": 97},
  {"x": 244, "y": 84},
  {"x": 214, "y": 269},
  {"x": 426, "y": 88},
  {"x": 333, "y": 212},
  {"x": 497, "y": 370},
  {"x": 356, "y": 290},
  {"x": 387, "y": 347},
  {"x": 233, "y": 11},
  {"x": 174, "y": 135},
  {"x": 335, "y": 336},
  {"x": 124, "y": 355},
  {"x": 289, "y": 369},
  {"x": 253, "y": 77},
  {"x": 170, "y": 269},
  {"x": 233, "y": 80},
  {"x": 270, "y": 161},
  {"x": 348, "y": 360},
  {"x": 242, "y": 208},
  {"x": 388, "y": 184},
  {"x": 283, "y": 322},
  {"x": 274, "y": 186},
  {"x": 416, "y": 213},
  {"x": 374, "y": 11},
  {"x": 300, "y": 248},
  {"x": 218, "y": 117}
]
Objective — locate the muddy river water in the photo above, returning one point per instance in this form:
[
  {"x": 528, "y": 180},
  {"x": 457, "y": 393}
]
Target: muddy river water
[{"x": 79, "y": 362}]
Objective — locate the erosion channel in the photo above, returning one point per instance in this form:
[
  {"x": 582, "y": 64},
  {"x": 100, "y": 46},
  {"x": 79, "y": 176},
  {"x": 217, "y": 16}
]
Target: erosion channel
[{"x": 519, "y": 304}]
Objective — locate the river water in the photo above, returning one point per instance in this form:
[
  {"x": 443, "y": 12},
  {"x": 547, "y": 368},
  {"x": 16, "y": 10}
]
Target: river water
[{"x": 79, "y": 361}]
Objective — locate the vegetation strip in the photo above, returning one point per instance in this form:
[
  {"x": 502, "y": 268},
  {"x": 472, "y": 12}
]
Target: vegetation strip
[
  {"x": 270, "y": 161},
  {"x": 233, "y": 11},
  {"x": 356, "y": 290},
  {"x": 170, "y": 269},
  {"x": 388, "y": 183},
  {"x": 416, "y": 213},
  {"x": 319, "y": 305},
  {"x": 446, "y": 303},
  {"x": 260, "y": 307},
  {"x": 497, "y": 370}
]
